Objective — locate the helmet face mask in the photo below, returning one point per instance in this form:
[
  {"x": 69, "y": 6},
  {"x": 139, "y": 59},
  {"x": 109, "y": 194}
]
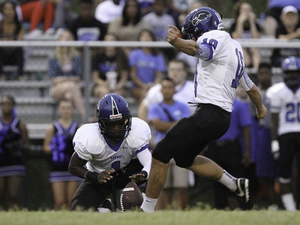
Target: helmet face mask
[
  {"x": 114, "y": 117},
  {"x": 201, "y": 20},
  {"x": 291, "y": 68}
]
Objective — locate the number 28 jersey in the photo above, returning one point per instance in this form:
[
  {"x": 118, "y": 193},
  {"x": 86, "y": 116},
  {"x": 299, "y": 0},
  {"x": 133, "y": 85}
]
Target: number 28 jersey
[
  {"x": 90, "y": 145},
  {"x": 218, "y": 76},
  {"x": 283, "y": 101}
]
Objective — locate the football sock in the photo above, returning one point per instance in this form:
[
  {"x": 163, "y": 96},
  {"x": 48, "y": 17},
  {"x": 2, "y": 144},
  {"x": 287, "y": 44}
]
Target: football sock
[
  {"x": 228, "y": 180},
  {"x": 288, "y": 202},
  {"x": 148, "y": 204}
]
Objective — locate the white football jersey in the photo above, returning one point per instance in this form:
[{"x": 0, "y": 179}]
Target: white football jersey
[
  {"x": 216, "y": 79},
  {"x": 287, "y": 104},
  {"x": 184, "y": 94},
  {"x": 90, "y": 145}
]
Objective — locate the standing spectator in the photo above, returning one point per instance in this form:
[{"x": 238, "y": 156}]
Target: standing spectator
[
  {"x": 65, "y": 71},
  {"x": 266, "y": 169},
  {"x": 35, "y": 12},
  {"x": 14, "y": 143},
  {"x": 272, "y": 20},
  {"x": 109, "y": 10},
  {"x": 162, "y": 117},
  {"x": 216, "y": 81},
  {"x": 109, "y": 153},
  {"x": 146, "y": 66},
  {"x": 245, "y": 26},
  {"x": 110, "y": 70},
  {"x": 177, "y": 71},
  {"x": 11, "y": 30},
  {"x": 58, "y": 143},
  {"x": 285, "y": 101},
  {"x": 228, "y": 152},
  {"x": 289, "y": 30},
  {"x": 86, "y": 27},
  {"x": 128, "y": 27}
]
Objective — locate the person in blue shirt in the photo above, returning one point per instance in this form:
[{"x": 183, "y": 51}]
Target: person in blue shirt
[
  {"x": 162, "y": 116},
  {"x": 227, "y": 151},
  {"x": 147, "y": 66}
]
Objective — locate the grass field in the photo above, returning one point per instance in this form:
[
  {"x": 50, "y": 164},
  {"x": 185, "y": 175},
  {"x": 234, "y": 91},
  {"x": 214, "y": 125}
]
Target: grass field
[{"x": 193, "y": 217}]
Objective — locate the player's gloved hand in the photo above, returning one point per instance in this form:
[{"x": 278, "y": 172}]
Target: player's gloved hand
[
  {"x": 138, "y": 177},
  {"x": 105, "y": 176},
  {"x": 275, "y": 150}
]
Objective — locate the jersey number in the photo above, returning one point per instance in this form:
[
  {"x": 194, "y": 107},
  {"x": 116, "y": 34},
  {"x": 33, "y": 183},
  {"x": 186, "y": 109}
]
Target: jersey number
[
  {"x": 240, "y": 68},
  {"x": 291, "y": 110}
]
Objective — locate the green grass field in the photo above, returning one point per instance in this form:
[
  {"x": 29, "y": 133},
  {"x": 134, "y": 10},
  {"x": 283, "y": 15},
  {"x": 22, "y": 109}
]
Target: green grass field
[{"x": 193, "y": 217}]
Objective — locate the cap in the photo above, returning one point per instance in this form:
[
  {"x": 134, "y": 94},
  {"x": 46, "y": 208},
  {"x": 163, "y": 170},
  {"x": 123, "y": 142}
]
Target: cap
[{"x": 288, "y": 9}]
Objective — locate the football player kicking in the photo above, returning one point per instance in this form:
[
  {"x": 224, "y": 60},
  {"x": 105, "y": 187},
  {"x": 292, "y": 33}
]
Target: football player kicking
[
  {"x": 220, "y": 70},
  {"x": 105, "y": 151}
]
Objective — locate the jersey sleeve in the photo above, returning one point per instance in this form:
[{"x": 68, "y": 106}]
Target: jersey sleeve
[
  {"x": 245, "y": 82},
  {"x": 79, "y": 146},
  {"x": 153, "y": 95}
]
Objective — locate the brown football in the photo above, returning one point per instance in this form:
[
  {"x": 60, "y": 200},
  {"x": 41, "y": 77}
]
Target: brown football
[{"x": 131, "y": 197}]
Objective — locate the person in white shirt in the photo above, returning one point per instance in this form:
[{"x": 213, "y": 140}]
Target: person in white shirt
[
  {"x": 284, "y": 99},
  {"x": 219, "y": 72},
  {"x": 109, "y": 10},
  {"x": 105, "y": 154}
]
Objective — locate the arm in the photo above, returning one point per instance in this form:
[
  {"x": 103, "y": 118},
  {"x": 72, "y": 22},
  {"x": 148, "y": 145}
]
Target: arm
[
  {"x": 145, "y": 159},
  {"x": 189, "y": 47},
  {"x": 135, "y": 78},
  {"x": 122, "y": 82},
  {"x": 25, "y": 138},
  {"x": 290, "y": 36},
  {"x": 162, "y": 126},
  {"x": 47, "y": 140},
  {"x": 255, "y": 97},
  {"x": 274, "y": 135},
  {"x": 143, "y": 111},
  {"x": 76, "y": 167}
]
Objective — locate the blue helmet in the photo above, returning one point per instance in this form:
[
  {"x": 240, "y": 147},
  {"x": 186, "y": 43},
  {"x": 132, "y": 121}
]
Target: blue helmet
[
  {"x": 201, "y": 20},
  {"x": 112, "y": 109},
  {"x": 291, "y": 63}
]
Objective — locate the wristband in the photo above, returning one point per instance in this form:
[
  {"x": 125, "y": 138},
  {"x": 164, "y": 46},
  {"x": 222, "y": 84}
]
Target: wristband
[
  {"x": 275, "y": 146},
  {"x": 144, "y": 173},
  {"x": 91, "y": 176}
]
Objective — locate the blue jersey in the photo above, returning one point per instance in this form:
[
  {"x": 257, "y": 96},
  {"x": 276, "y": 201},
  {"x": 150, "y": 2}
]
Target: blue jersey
[{"x": 168, "y": 113}]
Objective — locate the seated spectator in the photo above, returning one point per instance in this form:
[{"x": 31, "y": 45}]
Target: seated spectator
[
  {"x": 272, "y": 20},
  {"x": 177, "y": 7},
  {"x": 147, "y": 66},
  {"x": 109, "y": 10},
  {"x": 36, "y": 12},
  {"x": 86, "y": 27},
  {"x": 63, "y": 14},
  {"x": 128, "y": 27},
  {"x": 58, "y": 144},
  {"x": 146, "y": 6},
  {"x": 289, "y": 30},
  {"x": 65, "y": 71},
  {"x": 245, "y": 26},
  {"x": 110, "y": 70},
  {"x": 11, "y": 30}
]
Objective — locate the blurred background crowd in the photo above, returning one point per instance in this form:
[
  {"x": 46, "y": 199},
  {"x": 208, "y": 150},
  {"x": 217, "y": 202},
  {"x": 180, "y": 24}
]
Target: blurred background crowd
[{"x": 44, "y": 88}]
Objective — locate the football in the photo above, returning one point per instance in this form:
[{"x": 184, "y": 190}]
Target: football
[{"x": 131, "y": 197}]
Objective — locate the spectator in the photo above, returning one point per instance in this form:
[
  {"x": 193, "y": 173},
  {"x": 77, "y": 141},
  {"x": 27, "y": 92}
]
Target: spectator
[
  {"x": 177, "y": 71},
  {"x": 35, "y": 12},
  {"x": 11, "y": 30},
  {"x": 284, "y": 99},
  {"x": 110, "y": 70},
  {"x": 65, "y": 71},
  {"x": 272, "y": 20},
  {"x": 146, "y": 6},
  {"x": 109, "y": 10},
  {"x": 245, "y": 26},
  {"x": 147, "y": 66},
  {"x": 178, "y": 7},
  {"x": 86, "y": 27},
  {"x": 14, "y": 143},
  {"x": 63, "y": 15},
  {"x": 162, "y": 117},
  {"x": 128, "y": 27},
  {"x": 159, "y": 21},
  {"x": 266, "y": 169},
  {"x": 290, "y": 29},
  {"x": 58, "y": 144}
]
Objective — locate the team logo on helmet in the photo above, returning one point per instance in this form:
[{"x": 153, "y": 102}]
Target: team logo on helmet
[
  {"x": 200, "y": 18},
  {"x": 115, "y": 110}
]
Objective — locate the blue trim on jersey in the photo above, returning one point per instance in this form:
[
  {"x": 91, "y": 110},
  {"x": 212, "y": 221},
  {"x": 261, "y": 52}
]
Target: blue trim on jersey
[
  {"x": 195, "y": 83},
  {"x": 205, "y": 51},
  {"x": 142, "y": 149}
]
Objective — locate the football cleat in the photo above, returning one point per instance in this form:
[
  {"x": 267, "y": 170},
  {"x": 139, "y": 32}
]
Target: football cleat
[{"x": 242, "y": 188}]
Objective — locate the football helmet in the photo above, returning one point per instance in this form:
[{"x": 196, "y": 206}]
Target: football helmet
[
  {"x": 114, "y": 117},
  {"x": 201, "y": 20},
  {"x": 291, "y": 68}
]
